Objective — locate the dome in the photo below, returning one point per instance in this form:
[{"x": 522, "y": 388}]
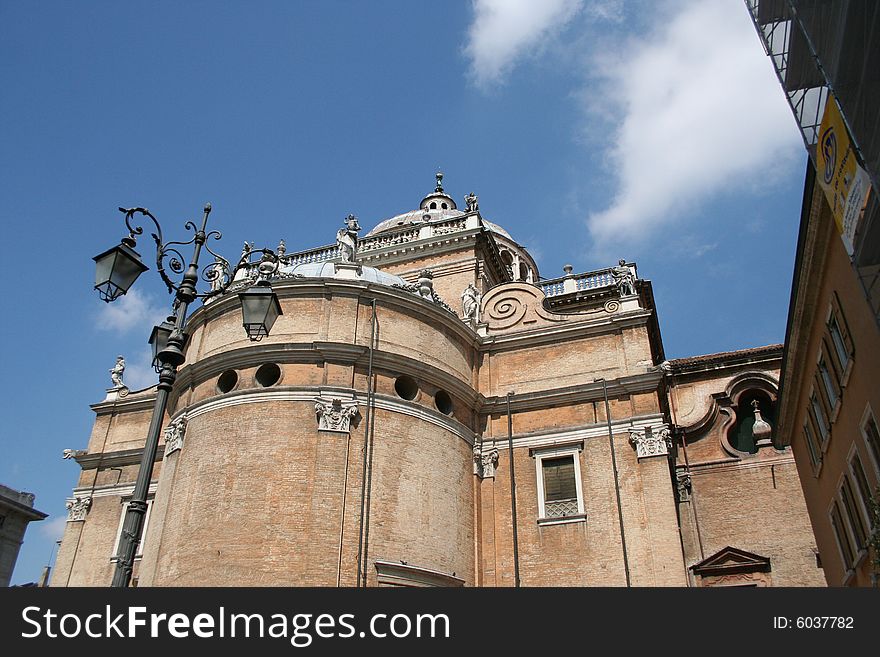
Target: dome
[
  {"x": 414, "y": 217},
  {"x": 436, "y": 207},
  {"x": 328, "y": 270},
  {"x": 495, "y": 228}
]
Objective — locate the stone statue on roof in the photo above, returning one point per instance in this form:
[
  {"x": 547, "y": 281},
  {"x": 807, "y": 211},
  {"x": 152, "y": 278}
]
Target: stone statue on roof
[
  {"x": 470, "y": 303},
  {"x": 624, "y": 279},
  {"x": 346, "y": 238},
  {"x": 117, "y": 371}
]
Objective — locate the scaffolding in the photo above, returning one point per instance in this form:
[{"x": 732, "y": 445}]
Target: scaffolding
[{"x": 831, "y": 48}]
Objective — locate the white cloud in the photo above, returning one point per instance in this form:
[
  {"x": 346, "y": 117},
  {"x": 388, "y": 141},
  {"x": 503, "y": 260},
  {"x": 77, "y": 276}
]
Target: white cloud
[
  {"x": 504, "y": 30},
  {"x": 695, "y": 110},
  {"x": 132, "y": 311},
  {"x": 139, "y": 372},
  {"x": 53, "y": 528}
]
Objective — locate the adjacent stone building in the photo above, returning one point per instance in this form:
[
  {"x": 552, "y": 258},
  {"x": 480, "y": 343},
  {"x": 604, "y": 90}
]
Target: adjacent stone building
[
  {"x": 428, "y": 411},
  {"x": 16, "y": 511}
]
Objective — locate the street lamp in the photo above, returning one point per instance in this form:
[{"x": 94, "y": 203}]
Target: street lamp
[
  {"x": 259, "y": 310},
  {"x": 117, "y": 269}
]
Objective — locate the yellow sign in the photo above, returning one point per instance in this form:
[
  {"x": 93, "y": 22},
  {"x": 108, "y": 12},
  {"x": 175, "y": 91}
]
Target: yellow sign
[{"x": 845, "y": 183}]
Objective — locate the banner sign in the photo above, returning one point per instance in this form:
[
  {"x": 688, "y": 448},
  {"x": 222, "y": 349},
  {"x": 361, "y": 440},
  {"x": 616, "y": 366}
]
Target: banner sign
[{"x": 845, "y": 183}]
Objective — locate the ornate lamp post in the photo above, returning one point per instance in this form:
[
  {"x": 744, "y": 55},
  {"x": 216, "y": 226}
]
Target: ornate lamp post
[{"x": 117, "y": 269}]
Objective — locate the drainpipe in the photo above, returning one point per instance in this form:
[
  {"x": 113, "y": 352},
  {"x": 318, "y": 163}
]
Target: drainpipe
[
  {"x": 364, "y": 531},
  {"x": 616, "y": 479},
  {"x": 516, "y": 581}
]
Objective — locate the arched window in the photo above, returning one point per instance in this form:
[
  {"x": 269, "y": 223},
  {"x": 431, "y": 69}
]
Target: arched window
[{"x": 755, "y": 420}]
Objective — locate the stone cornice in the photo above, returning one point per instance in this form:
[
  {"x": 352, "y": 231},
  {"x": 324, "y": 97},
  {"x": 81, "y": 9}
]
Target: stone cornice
[
  {"x": 817, "y": 232},
  {"x": 404, "y": 251},
  {"x": 308, "y": 394},
  {"x": 576, "y": 394},
  {"x": 540, "y": 440},
  {"x": 143, "y": 401},
  {"x": 10, "y": 505},
  {"x": 769, "y": 358},
  {"x": 317, "y": 352},
  {"x": 115, "y": 459},
  {"x": 326, "y": 287},
  {"x": 113, "y": 490},
  {"x": 562, "y": 333},
  {"x": 734, "y": 463}
]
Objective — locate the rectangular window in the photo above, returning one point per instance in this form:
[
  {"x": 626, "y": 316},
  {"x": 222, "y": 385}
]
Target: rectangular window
[
  {"x": 829, "y": 385},
  {"x": 872, "y": 438},
  {"x": 560, "y": 488},
  {"x": 843, "y": 542},
  {"x": 820, "y": 418},
  {"x": 140, "y": 548},
  {"x": 864, "y": 490},
  {"x": 810, "y": 439},
  {"x": 839, "y": 345},
  {"x": 853, "y": 515},
  {"x": 560, "y": 496}
]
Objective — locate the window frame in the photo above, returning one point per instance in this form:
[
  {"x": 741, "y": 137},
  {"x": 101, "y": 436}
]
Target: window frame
[
  {"x": 831, "y": 388},
  {"x": 559, "y": 451},
  {"x": 839, "y": 530},
  {"x": 871, "y": 446},
  {"x": 856, "y": 457},
  {"x": 822, "y": 424},
  {"x": 835, "y": 314},
  {"x": 813, "y": 447},
  {"x": 859, "y": 540}
]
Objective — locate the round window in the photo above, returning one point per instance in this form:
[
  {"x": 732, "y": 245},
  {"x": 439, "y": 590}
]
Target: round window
[
  {"x": 443, "y": 402},
  {"x": 406, "y": 387},
  {"x": 268, "y": 375},
  {"x": 227, "y": 381}
]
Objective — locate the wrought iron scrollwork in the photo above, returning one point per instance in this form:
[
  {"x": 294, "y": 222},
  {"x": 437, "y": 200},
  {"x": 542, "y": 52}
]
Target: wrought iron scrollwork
[{"x": 259, "y": 264}]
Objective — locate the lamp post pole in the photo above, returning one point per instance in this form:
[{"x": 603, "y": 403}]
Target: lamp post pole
[
  {"x": 169, "y": 358},
  {"x": 117, "y": 270}
]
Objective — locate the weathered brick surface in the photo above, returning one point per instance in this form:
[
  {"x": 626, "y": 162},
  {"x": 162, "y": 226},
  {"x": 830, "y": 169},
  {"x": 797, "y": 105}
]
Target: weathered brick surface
[
  {"x": 587, "y": 553},
  {"x": 758, "y": 508},
  {"x": 750, "y": 502}
]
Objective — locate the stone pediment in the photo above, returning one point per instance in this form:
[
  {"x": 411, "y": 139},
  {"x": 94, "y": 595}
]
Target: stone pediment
[{"x": 729, "y": 561}]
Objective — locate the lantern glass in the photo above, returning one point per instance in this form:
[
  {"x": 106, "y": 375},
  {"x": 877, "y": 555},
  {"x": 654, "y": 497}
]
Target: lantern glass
[
  {"x": 116, "y": 271},
  {"x": 159, "y": 340},
  {"x": 259, "y": 310}
]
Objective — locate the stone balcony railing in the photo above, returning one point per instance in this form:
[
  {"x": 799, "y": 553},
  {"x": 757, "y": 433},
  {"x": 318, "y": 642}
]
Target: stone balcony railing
[
  {"x": 592, "y": 280},
  {"x": 388, "y": 239}
]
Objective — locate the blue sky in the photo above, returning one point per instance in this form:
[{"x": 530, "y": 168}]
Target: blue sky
[{"x": 592, "y": 131}]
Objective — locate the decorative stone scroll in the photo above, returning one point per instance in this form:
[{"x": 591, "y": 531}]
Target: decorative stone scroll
[
  {"x": 174, "y": 434},
  {"x": 516, "y": 306},
  {"x": 650, "y": 442},
  {"x": 334, "y": 415},
  {"x": 485, "y": 461},
  {"x": 77, "y": 508}
]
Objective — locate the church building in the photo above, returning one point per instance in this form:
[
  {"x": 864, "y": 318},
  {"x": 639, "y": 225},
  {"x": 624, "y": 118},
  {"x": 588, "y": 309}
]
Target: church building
[{"x": 429, "y": 411}]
